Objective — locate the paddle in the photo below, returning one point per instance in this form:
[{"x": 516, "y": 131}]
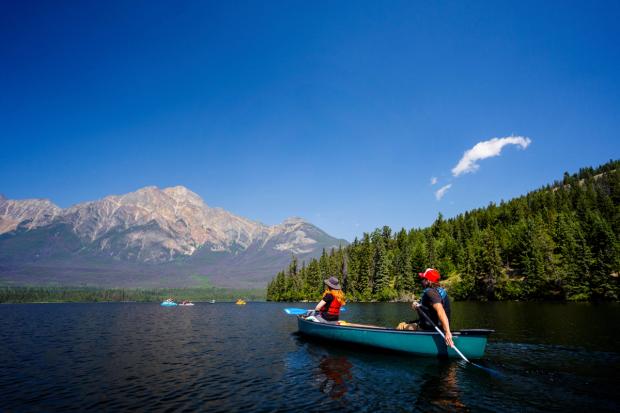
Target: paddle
[
  {"x": 493, "y": 372},
  {"x": 421, "y": 311},
  {"x": 302, "y": 311},
  {"x": 295, "y": 311}
]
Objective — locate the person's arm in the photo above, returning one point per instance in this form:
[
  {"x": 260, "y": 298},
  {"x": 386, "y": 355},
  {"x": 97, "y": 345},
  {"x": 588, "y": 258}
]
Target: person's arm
[
  {"x": 326, "y": 301},
  {"x": 441, "y": 313}
]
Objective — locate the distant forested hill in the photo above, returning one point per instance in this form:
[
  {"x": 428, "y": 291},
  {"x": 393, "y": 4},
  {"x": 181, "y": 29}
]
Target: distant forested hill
[{"x": 559, "y": 242}]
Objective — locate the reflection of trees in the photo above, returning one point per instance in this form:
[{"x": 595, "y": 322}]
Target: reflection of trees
[
  {"x": 441, "y": 390},
  {"x": 335, "y": 372}
]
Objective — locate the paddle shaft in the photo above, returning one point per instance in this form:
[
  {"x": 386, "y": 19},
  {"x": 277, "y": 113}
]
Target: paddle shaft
[{"x": 441, "y": 333}]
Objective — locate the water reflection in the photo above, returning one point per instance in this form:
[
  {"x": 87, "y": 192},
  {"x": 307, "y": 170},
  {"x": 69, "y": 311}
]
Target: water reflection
[
  {"x": 330, "y": 369},
  {"x": 440, "y": 389},
  {"x": 335, "y": 372},
  {"x": 342, "y": 372}
]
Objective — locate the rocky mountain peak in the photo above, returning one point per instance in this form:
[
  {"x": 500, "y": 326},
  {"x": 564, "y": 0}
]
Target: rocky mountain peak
[
  {"x": 29, "y": 213},
  {"x": 294, "y": 221},
  {"x": 182, "y": 194}
]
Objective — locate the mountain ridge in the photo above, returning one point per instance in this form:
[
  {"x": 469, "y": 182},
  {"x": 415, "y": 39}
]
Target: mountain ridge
[{"x": 149, "y": 230}]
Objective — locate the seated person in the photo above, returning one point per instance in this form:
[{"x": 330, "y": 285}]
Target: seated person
[
  {"x": 435, "y": 303},
  {"x": 328, "y": 309}
]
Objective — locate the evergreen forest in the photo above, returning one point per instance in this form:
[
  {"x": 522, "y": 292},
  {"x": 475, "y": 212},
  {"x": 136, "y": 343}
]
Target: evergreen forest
[
  {"x": 560, "y": 242},
  {"x": 40, "y": 294}
]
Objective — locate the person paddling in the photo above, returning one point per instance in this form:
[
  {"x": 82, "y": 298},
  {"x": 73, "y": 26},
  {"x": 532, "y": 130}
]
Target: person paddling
[
  {"x": 435, "y": 303},
  {"x": 328, "y": 309}
]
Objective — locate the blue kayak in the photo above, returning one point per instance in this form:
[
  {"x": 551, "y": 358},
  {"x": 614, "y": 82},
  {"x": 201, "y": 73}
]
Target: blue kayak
[{"x": 169, "y": 304}]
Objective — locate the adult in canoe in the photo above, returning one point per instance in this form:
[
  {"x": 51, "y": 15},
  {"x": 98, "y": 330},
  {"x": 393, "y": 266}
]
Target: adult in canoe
[
  {"x": 435, "y": 303},
  {"x": 328, "y": 309}
]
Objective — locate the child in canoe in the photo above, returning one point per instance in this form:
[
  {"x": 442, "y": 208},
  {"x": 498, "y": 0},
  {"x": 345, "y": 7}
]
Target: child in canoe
[{"x": 328, "y": 309}]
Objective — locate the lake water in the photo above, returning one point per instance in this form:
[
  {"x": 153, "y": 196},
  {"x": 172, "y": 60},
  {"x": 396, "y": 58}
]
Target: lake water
[{"x": 224, "y": 357}]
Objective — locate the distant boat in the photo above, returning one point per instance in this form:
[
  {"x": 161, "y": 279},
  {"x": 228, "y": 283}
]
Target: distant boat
[
  {"x": 169, "y": 304},
  {"x": 240, "y": 302},
  {"x": 186, "y": 304},
  {"x": 212, "y": 301}
]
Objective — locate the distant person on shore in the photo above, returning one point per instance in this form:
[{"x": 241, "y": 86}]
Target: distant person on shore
[
  {"x": 328, "y": 309},
  {"x": 435, "y": 303}
]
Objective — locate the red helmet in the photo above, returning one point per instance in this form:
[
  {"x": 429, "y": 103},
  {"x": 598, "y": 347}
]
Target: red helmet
[{"x": 430, "y": 274}]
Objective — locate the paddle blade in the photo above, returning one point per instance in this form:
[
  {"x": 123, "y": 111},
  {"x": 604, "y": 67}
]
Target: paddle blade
[
  {"x": 301, "y": 311},
  {"x": 295, "y": 311}
]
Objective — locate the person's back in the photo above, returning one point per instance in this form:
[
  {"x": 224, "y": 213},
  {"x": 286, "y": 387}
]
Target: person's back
[
  {"x": 434, "y": 295},
  {"x": 331, "y": 310}
]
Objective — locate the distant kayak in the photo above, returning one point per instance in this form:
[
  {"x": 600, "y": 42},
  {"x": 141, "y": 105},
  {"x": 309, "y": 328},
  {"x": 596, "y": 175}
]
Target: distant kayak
[
  {"x": 240, "y": 302},
  {"x": 169, "y": 304},
  {"x": 186, "y": 304}
]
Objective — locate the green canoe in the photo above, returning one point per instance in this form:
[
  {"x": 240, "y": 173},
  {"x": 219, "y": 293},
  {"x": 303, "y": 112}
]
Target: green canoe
[{"x": 424, "y": 343}]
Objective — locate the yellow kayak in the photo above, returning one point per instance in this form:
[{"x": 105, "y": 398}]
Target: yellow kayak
[{"x": 240, "y": 302}]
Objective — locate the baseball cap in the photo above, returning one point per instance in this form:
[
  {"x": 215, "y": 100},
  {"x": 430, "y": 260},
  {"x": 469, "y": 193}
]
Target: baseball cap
[{"x": 430, "y": 274}]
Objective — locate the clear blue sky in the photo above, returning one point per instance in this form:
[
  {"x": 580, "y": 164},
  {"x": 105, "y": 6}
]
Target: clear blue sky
[{"x": 338, "y": 112}]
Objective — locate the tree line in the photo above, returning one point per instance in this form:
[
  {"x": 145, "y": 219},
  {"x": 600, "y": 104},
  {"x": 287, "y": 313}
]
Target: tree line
[
  {"x": 77, "y": 294},
  {"x": 559, "y": 242}
]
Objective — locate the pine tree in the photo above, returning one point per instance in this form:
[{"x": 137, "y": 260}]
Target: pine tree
[
  {"x": 314, "y": 282},
  {"x": 404, "y": 282},
  {"x": 367, "y": 268},
  {"x": 606, "y": 255},
  {"x": 537, "y": 259},
  {"x": 491, "y": 264}
]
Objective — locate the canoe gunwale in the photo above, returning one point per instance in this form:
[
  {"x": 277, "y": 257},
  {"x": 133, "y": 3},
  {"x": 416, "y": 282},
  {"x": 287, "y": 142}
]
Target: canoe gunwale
[{"x": 477, "y": 332}]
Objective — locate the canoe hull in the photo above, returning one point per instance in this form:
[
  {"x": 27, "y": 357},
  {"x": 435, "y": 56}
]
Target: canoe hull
[{"x": 471, "y": 343}]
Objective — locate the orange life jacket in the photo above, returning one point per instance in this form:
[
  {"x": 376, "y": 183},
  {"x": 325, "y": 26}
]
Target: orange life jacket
[{"x": 334, "y": 307}]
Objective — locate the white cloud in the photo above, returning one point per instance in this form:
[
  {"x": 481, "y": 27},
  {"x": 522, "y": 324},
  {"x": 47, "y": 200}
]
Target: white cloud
[
  {"x": 486, "y": 149},
  {"x": 442, "y": 191},
  {"x": 433, "y": 180}
]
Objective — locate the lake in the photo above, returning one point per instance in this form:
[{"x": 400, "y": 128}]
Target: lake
[{"x": 224, "y": 357}]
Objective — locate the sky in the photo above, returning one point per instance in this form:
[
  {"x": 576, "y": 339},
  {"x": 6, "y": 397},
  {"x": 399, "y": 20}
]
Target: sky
[{"x": 350, "y": 114}]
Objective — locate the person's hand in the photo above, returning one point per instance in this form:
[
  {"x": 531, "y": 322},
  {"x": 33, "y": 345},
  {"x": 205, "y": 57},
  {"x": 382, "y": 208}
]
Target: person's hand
[
  {"x": 415, "y": 305},
  {"x": 449, "y": 341}
]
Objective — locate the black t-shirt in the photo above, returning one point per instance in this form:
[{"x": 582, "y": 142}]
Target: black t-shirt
[
  {"x": 430, "y": 297},
  {"x": 328, "y": 298}
]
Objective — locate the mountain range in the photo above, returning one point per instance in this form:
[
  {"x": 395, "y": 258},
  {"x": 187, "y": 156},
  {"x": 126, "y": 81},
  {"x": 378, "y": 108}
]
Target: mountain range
[{"x": 148, "y": 238}]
